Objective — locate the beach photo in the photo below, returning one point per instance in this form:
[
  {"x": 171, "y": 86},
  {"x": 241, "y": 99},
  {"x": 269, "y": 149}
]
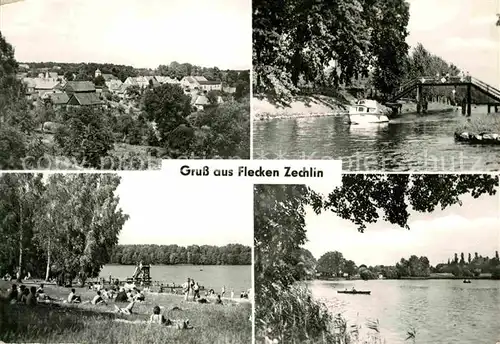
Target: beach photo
[
  {"x": 121, "y": 85},
  {"x": 378, "y": 259},
  {"x": 123, "y": 258},
  {"x": 400, "y": 86}
]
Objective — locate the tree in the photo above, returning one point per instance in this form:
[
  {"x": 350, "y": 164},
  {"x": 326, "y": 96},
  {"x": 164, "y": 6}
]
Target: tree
[
  {"x": 366, "y": 274},
  {"x": 225, "y": 132},
  {"x": 167, "y": 106},
  {"x": 213, "y": 97},
  {"x": 469, "y": 259},
  {"x": 242, "y": 90},
  {"x": 99, "y": 81},
  {"x": 133, "y": 91},
  {"x": 12, "y": 148},
  {"x": 462, "y": 259},
  {"x": 86, "y": 136},
  {"x": 350, "y": 267},
  {"x": 331, "y": 264},
  {"x": 295, "y": 41},
  {"x": 393, "y": 194},
  {"x": 19, "y": 200},
  {"x": 91, "y": 220}
]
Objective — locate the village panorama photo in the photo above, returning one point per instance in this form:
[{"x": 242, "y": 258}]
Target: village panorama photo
[{"x": 121, "y": 85}]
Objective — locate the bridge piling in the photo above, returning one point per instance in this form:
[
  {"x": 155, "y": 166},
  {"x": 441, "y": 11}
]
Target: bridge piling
[{"x": 469, "y": 100}]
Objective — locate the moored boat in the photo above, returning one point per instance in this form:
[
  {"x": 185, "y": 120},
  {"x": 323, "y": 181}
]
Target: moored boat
[
  {"x": 367, "y": 111},
  {"x": 354, "y": 292}
]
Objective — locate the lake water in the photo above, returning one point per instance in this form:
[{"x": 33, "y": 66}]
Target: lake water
[
  {"x": 410, "y": 143},
  {"x": 237, "y": 277},
  {"x": 441, "y": 311}
]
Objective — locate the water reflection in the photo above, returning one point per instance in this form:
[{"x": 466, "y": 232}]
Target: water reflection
[
  {"x": 412, "y": 142},
  {"x": 441, "y": 311}
]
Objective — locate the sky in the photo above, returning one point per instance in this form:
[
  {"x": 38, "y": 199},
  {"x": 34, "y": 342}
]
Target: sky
[
  {"x": 168, "y": 212},
  {"x": 472, "y": 227},
  {"x": 462, "y": 32},
  {"x": 141, "y": 33}
]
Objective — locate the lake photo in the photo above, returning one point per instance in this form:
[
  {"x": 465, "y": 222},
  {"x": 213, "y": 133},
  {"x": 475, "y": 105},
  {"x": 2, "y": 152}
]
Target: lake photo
[
  {"x": 443, "y": 311},
  {"x": 380, "y": 258},
  {"x": 124, "y": 258}
]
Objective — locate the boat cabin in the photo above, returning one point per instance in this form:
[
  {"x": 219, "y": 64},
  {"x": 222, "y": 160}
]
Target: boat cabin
[{"x": 365, "y": 106}]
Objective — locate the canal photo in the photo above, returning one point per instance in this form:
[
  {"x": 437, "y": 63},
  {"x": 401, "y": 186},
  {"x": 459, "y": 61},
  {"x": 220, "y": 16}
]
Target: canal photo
[
  {"x": 123, "y": 258},
  {"x": 406, "y": 85},
  {"x": 392, "y": 258}
]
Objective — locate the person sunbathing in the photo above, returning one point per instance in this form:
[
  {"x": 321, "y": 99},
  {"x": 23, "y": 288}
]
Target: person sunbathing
[
  {"x": 31, "y": 298},
  {"x": 127, "y": 310},
  {"x": 98, "y": 300},
  {"x": 13, "y": 294},
  {"x": 73, "y": 298},
  {"x": 121, "y": 296},
  {"x": 157, "y": 318}
]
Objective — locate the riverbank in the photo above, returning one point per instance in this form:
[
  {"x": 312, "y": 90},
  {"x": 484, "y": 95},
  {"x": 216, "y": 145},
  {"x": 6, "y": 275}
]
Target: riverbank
[
  {"x": 87, "y": 323},
  {"x": 305, "y": 106},
  {"x": 434, "y": 276},
  {"x": 324, "y": 106},
  {"x": 484, "y": 130}
]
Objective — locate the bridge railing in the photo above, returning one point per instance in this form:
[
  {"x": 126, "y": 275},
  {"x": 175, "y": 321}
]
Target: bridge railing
[{"x": 486, "y": 88}]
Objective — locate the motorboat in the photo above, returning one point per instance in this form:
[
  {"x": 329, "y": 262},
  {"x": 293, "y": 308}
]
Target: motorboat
[
  {"x": 467, "y": 281},
  {"x": 354, "y": 292},
  {"x": 367, "y": 111}
]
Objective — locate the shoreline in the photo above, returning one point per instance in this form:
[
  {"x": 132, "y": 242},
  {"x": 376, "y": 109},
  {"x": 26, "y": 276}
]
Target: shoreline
[
  {"x": 85, "y": 323},
  {"x": 410, "y": 278},
  {"x": 321, "y": 109}
]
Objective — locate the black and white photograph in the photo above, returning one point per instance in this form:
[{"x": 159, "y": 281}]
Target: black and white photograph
[
  {"x": 123, "y": 258},
  {"x": 394, "y": 258},
  {"x": 403, "y": 85},
  {"x": 121, "y": 85}
]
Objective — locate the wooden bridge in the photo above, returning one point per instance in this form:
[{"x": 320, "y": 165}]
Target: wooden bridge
[{"x": 468, "y": 82}]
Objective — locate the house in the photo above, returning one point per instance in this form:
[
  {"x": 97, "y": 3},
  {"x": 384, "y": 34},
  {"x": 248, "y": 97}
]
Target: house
[
  {"x": 141, "y": 81},
  {"x": 106, "y": 76},
  {"x": 85, "y": 99},
  {"x": 200, "y": 83},
  {"x": 110, "y": 77},
  {"x": 199, "y": 102},
  {"x": 229, "y": 90},
  {"x": 166, "y": 80},
  {"x": 24, "y": 66},
  {"x": 79, "y": 87},
  {"x": 211, "y": 85},
  {"x": 59, "y": 99},
  {"x": 42, "y": 86},
  {"x": 114, "y": 85}
]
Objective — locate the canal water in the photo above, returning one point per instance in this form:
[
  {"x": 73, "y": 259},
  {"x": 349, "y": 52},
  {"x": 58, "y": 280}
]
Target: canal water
[
  {"x": 438, "y": 311},
  {"x": 410, "y": 143}
]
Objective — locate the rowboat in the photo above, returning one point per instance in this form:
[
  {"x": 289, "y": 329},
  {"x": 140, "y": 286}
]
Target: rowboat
[{"x": 354, "y": 292}]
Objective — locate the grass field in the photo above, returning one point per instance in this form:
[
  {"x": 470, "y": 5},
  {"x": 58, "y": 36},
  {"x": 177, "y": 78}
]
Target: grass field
[{"x": 86, "y": 323}]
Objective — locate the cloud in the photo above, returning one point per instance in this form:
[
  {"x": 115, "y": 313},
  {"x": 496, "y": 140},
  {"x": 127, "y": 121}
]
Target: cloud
[{"x": 474, "y": 43}]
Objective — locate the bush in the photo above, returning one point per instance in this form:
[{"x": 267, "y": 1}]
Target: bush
[
  {"x": 294, "y": 316},
  {"x": 87, "y": 136},
  {"x": 12, "y": 148}
]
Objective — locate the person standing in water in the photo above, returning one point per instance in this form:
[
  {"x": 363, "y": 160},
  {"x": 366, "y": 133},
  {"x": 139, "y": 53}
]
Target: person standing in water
[
  {"x": 186, "y": 287},
  {"x": 223, "y": 291}
]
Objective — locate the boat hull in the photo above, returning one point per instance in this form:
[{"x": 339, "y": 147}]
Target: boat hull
[
  {"x": 354, "y": 292},
  {"x": 368, "y": 118}
]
